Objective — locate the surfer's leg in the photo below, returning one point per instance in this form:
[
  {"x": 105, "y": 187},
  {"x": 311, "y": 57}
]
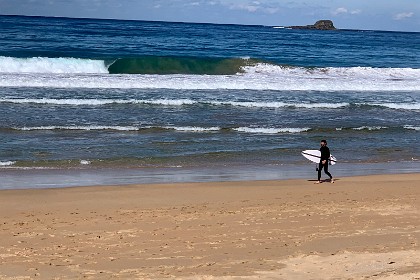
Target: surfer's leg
[
  {"x": 319, "y": 171},
  {"x": 328, "y": 173}
]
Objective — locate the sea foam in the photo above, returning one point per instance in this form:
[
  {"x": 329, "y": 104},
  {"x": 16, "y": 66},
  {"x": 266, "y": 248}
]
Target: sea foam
[
  {"x": 193, "y": 128},
  {"x": 97, "y": 102},
  {"x": 87, "y": 127},
  {"x": 7, "y": 163},
  {"x": 205, "y": 82},
  {"x": 417, "y": 128},
  {"x": 269, "y": 130},
  {"x": 51, "y": 65}
]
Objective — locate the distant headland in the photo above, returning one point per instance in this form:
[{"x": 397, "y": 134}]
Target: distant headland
[{"x": 324, "y": 24}]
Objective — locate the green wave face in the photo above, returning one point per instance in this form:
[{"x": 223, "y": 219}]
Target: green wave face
[{"x": 179, "y": 65}]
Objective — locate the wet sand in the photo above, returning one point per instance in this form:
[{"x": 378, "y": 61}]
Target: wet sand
[{"x": 357, "y": 228}]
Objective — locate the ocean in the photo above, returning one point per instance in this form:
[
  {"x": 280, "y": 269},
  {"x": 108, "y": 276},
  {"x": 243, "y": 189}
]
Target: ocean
[{"x": 111, "y": 101}]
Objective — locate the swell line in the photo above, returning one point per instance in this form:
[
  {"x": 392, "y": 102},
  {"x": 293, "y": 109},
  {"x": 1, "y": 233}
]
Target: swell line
[
  {"x": 200, "y": 129},
  {"x": 183, "y": 102}
]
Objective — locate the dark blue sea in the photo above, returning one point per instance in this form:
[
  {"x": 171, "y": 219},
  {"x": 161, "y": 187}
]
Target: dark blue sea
[{"x": 134, "y": 101}]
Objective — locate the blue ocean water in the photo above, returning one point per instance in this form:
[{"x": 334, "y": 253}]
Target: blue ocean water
[{"x": 88, "y": 94}]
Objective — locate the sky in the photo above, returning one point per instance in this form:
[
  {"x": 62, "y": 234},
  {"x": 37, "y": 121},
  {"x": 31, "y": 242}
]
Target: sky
[{"x": 391, "y": 15}]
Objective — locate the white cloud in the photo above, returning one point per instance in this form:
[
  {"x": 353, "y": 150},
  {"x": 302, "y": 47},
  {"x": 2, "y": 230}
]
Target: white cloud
[
  {"x": 356, "y": 12},
  {"x": 343, "y": 11},
  {"x": 250, "y": 8},
  {"x": 253, "y": 7},
  {"x": 340, "y": 11},
  {"x": 402, "y": 16}
]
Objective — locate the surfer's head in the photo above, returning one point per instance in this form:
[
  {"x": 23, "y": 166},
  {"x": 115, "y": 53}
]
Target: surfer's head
[{"x": 323, "y": 142}]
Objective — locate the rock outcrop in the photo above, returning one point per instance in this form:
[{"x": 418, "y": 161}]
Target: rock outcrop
[{"x": 319, "y": 25}]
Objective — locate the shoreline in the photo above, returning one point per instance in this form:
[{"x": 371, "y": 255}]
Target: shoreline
[
  {"x": 359, "y": 227},
  {"x": 62, "y": 178}
]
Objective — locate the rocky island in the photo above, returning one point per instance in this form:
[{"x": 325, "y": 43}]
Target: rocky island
[{"x": 319, "y": 25}]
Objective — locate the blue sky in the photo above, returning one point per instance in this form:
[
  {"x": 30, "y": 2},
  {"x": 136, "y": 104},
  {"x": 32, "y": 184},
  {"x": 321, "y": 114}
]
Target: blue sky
[{"x": 398, "y": 15}]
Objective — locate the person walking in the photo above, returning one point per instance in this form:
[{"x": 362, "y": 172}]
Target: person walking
[{"x": 324, "y": 161}]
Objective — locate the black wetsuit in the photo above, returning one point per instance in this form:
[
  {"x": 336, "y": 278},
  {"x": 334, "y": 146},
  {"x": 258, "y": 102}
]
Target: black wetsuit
[{"x": 325, "y": 155}]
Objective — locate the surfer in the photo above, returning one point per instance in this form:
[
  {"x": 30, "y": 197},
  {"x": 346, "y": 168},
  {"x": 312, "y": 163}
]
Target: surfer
[{"x": 323, "y": 162}]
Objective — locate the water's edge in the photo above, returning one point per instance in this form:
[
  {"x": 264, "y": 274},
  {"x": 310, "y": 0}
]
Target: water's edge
[{"x": 56, "y": 178}]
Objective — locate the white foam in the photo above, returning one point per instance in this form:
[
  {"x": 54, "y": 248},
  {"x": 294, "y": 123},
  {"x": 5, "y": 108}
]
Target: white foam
[
  {"x": 370, "y": 128},
  {"x": 85, "y": 162},
  {"x": 417, "y": 128},
  {"x": 51, "y": 65},
  {"x": 97, "y": 102},
  {"x": 391, "y": 74},
  {"x": 7, "y": 163},
  {"x": 262, "y": 130},
  {"x": 256, "y": 78},
  {"x": 192, "y": 128},
  {"x": 89, "y": 127},
  {"x": 53, "y": 101},
  {"x": 167, "y": 102},
  {"x": 399, "y": 106},
  {"x": 118, "y": 128},
  {"x": 282, "y": 104}
]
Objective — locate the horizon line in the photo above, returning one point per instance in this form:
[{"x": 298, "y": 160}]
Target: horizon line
[{"x": 190, "y": 22}]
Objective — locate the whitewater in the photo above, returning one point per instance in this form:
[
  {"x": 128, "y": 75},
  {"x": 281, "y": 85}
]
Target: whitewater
[{"x": 86, "y": 73}]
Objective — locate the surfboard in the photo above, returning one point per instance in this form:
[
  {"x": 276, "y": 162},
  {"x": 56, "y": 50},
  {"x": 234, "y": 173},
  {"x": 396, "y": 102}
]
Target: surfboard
[{"x": 315, "y": 156}]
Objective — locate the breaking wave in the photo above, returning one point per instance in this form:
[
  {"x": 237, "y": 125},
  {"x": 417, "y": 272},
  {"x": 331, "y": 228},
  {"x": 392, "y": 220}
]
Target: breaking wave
[
  {"x": 52, "y": 65},
  {"x": 180, "y": 65},
  {"x": 198, "y": 73},
  {"x": 159, "y": 65}
]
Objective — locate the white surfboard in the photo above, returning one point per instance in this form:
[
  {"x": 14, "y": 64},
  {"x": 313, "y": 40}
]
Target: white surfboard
[{"x": 315, "y": 156}]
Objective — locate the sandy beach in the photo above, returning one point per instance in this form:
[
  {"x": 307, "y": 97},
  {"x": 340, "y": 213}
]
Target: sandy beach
[{"x": 365, "y": 227}]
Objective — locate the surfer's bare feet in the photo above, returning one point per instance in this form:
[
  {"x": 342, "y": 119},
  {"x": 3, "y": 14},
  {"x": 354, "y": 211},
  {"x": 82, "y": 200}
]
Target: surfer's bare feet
[
  {"x": 318, "y": 182},
  {"x": 332, "y": 181}
]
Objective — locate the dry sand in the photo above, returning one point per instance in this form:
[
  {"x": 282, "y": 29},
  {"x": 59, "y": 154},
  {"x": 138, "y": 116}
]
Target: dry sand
[{"x": 358, "y": 228}]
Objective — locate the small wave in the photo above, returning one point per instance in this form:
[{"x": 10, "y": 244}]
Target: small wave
[
  {"x": 172, "y": 102},
  {"x": 370, "y": 128},
  {"x": 412, "y": 127},
  {"x": 97, "y": 102},
  {"x": 7, "y": 163},
  {"x": 120, "y": 128},
  {"x": 193, "y": 128},
  {"x": 89, "y": 127},
  {"x": 398, "y": 106},
  {"x": 175, "y": 128},
  {"x": 282, "y": 104},
  {"x": 167, "y": 102},
  {"x": 51, "y": 65},
  {"x": 261, "y": 130},
  {"x": 189, "y": 102},
  {"x": 85, "y": 162}
]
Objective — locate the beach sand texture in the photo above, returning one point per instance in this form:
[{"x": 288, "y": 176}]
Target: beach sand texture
[{"x": 358, "y": 228}]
